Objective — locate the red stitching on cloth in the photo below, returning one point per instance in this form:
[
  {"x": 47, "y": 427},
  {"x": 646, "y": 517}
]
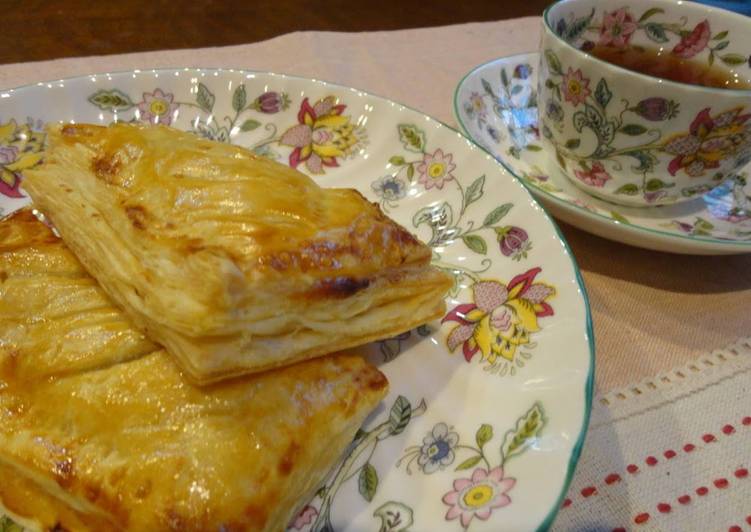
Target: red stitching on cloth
[
  {"x": 588, "y": 491},
  {"x": 652, "y": 461},
  {"x": 612, "y": 478},
  {"x": 665, "y": 508}
]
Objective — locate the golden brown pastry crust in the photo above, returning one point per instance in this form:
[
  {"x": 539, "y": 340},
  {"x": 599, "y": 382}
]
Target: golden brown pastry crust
[
  {"x": 113, "y": 437},
  {"x": 233, "y": 262}
]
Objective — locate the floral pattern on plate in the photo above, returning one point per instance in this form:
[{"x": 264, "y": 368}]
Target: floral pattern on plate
[
  {"x": 482, "y": 227},
  {"x": 322, "y": 136},
  {"x": 718, "y": 221}
]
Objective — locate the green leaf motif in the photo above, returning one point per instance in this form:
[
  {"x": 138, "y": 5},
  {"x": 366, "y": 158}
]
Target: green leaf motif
[
  {"x": 721, "y": 46},
  {"x": 395, "y": 517},
  {"x": 628, "y": 190},
  {"x": 397, "y": 160},
  {"x": 484, "y": 435},
  {"x": 618, "y": 217},
  {"x": 474, "y": 191},
  {"x": 572, "y": 144},
  {"x": 205, "y": 98},
  {"x": 656, "y": 32},
  {"x": 399, "y": 416},
  {"x": 504, "y": 77},
  {"x": 367, "y": 482},
  {"x": 647, "y": 161},
  {"x": 469, "y": 463},
  {"x": 476, "y": 244},
  {"x": 7, "y": 525},
  {"x": 578, "y": 26},
  {"x": 703, "y": 224},
  {"x": 602, "y": 93},
  {"x": 410, "y": 171},
  {"x": 412, "y": 137},
  {"x": 516, "y": 90},
  {"x": 111, "y": 100},
  {"x": 720, "y": 36},
  {"x": 488, "y": 88},
  {"x": 239, "y": 98},
  {"x": 633, "y": 129},
  {"x": 497, "y": 214},
  {"x": 733, "y": 59},
  {"x": 249, "y": 125},
  {"x": 528, "y": 427},
  {"x": 650, "y": 13},
  {"x": 533, "y": 147},
  {"x": 655, "y": 184},
  {"x": 436, "y": 216},
  {"x": 554, "y": 64}
]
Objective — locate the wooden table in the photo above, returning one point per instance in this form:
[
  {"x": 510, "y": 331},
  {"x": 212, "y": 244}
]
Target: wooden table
[{"x": 39, "y": 29}]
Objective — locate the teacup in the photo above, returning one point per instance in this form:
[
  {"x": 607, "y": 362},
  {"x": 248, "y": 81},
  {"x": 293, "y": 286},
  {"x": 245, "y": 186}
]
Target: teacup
[{"x": 632, "y": 138}]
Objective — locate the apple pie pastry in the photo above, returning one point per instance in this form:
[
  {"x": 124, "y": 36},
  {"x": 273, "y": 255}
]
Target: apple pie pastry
[
  {"x": 233, "y": 262},
  {"x": 100, "y": 431}
]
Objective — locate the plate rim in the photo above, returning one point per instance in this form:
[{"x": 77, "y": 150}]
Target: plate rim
[
  {"x": 577, "y": 448},
  {"x": 697, "y": 242}
]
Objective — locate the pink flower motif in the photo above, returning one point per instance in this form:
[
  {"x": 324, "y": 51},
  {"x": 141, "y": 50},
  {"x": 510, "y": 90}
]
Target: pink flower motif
[
  {"x": 157, "y": 107},
  {"x": 322, "y": 135},
  {"x": 501, "y": 317},
  {"x": 596, "y": 177},
  {"x": 478, "y": 496},
  {"x": 694, "y": 42},
  {"x": 435, "y": 169},
  {"x": 304, "y": 518},
  {"x": 575, "y": 86},
  {"x": 711, "y": 141},
  {"x": 617, "y": 28}
]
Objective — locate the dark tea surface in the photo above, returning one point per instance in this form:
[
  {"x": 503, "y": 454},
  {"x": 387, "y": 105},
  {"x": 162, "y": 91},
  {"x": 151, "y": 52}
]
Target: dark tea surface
[{"x": 661, "y": 63}]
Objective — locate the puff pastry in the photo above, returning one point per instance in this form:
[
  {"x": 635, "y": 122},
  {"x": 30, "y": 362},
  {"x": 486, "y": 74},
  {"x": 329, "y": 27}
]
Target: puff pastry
[
  {"x": 100, "y": 431},
  {"x": 233, "y": 262}
]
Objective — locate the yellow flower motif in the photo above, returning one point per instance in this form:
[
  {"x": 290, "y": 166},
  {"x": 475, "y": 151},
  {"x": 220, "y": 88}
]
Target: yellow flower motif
[
  {"x": 20, "y": 148},
  {"x": 501, "y": 318},
  {"x": 322, "y": 134}
]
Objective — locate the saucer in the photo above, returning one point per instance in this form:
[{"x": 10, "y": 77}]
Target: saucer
[{"x": 496, "y": 106}]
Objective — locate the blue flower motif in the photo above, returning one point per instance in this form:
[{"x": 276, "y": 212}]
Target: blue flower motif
[
  {"x": 437, "y": 450},
  {"x": 389, "y": 188}
]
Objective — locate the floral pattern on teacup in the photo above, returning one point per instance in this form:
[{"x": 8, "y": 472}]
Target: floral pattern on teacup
[
  {"x": 617, "y": 29},
  {"x": 625, "y": 143}
]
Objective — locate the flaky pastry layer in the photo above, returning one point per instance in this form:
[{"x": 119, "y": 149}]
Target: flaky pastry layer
[
  {"x": 233, "y": 262},
  {"x": 99, "y": 429}
]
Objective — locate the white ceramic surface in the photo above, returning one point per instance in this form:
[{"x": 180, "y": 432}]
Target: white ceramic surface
[
  {"x": 501, "y": 116},
  {"x": 631, "y": 138},
  {"x": 488, "y": 409}
]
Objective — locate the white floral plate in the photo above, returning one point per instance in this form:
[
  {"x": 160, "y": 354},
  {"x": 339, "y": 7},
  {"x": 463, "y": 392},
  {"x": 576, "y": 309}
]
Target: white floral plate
[
  {"x": 488, "y": 408},
  {"x": 496, "y": 106}
]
